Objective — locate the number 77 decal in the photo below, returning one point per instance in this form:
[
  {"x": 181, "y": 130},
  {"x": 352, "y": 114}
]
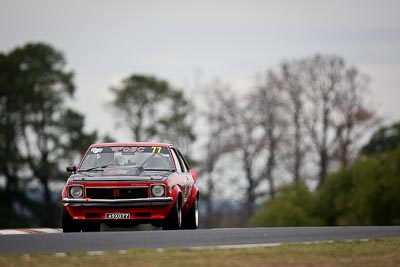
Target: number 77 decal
[{"x": 155, "y": 149}]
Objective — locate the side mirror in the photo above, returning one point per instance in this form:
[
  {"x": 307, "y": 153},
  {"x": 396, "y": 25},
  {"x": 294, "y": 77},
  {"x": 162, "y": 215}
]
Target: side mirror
[
  {"x": 194, "y": 174},
  {"x": 71, "y": 169}
]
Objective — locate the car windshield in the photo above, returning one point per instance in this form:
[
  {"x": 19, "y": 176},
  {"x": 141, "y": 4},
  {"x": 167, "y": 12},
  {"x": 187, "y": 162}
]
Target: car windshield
[{"x": 146, "y": 157}]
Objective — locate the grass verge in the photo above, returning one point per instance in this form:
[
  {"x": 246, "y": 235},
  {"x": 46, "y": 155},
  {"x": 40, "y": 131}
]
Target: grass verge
[{"x": 376, "y": 252}]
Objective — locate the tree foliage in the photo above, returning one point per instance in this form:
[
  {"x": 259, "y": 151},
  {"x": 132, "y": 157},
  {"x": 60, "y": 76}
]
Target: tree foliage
[
  {"x": 384, "y": 139},
  {"x": 296, "y": 121},
  {"x": 293, "y": 205},
  {"x": 367, "y": 192},
  {"x": 153, "y": 109},
  {"x": 39, "y": 132}
]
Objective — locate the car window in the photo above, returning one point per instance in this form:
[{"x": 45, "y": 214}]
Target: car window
[
  {"x": 177, "y": 161},
  {"x": 183, "y": 161}
]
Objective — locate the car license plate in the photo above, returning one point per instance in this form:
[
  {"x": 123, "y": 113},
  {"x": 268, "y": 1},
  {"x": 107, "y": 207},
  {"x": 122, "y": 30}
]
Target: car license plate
[{"x": 116, "y": 216}]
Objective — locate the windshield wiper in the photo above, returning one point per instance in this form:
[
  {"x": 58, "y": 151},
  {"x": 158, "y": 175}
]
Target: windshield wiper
[
  {"x": 97, "y": 168},
  {"x": 159, "y": 170}
]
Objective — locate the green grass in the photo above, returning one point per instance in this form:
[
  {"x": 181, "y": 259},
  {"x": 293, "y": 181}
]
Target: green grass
[{"x": 377, "y": 252}]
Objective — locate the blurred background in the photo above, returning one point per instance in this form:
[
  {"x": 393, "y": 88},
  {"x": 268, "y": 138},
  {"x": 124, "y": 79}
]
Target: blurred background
[{"x": 289, "y": 110}]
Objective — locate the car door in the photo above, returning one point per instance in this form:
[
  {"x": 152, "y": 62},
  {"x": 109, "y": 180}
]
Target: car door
[
  {"x": 189, "y": 181},
  {"x": 181, "y": 173}
]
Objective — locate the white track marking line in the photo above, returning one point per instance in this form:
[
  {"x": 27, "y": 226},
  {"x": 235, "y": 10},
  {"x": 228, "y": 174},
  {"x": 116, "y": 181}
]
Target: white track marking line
[
  {"x": 12, "y": 232},
  {"x": 238, "y": 246},
  {"x": 30, "y": 231}
]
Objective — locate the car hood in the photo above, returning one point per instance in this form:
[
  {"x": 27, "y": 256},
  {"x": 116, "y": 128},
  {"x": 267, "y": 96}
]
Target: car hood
[{"x": 99, "y": 177}]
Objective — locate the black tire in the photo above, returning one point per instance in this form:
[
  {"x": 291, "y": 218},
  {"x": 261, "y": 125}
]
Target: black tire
[
  {"x": 69, "y": 225},
  {"x": 91, "y": 226},
  {"x": 191, "y": 220},
  {"x": 174, "y": 219}
]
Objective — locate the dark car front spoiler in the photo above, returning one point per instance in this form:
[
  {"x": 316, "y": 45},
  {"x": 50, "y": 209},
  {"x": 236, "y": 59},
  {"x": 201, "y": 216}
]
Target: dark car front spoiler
[{"x": 155, "y": 201}]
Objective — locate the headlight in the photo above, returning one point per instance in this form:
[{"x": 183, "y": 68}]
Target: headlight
[
  {"x": 76, "y": 191},
  {"x": 158, "y": 190}
]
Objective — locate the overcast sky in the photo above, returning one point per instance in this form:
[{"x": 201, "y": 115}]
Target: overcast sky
[{"x": 104, "y": 41}]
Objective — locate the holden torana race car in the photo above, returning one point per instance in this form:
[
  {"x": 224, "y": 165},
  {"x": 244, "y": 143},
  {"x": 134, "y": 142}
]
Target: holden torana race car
[{"x": 126, "y": 184}]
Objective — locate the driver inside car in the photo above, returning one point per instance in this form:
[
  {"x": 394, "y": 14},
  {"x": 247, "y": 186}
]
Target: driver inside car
[{"x": 105, "y": 159}]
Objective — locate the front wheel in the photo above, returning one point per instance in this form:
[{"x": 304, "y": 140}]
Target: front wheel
[
  {"x": 69, "y": 225},
  {"x": 174, "y": 219},
  {"x": 191, "y": 221}
]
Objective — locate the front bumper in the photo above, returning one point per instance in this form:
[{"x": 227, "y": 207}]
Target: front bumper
[{"x": 137, "y": 202}]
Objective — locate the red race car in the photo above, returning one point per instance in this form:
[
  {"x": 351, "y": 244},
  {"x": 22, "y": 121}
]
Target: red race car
[{"x": 126, "y": 184}]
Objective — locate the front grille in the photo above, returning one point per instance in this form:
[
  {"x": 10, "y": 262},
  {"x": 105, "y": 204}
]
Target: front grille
[{"x": 116, "y": 193}]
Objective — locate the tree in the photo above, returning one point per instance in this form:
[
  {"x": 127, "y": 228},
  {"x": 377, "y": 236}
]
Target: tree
[
  {"x": 11, "y": 100},
  {"x": 367, "y": 192},
  {"x": 74, "y": 140},
  {"x": 248, "y": 143},
  {"x": 353, "y": 119},
  {"x": 292, "y": 84},
  {"x": 384, "y": 139},
  {"x": 268, "y": 106},
  {"x": 215, "y": 147},
  {"x": 245, "y": 142},
  {"x": 294, "y": 205},
  {"x": 152, "y": 109},
  {"x": 46, "y": 85},
  {"x": 176, "y": 127},
  {"x": 336, "y": 115},
  {"x": 45, "y": 131},
  {"x": 324, "y": 74},
  {"x": 312, "y": 108}
]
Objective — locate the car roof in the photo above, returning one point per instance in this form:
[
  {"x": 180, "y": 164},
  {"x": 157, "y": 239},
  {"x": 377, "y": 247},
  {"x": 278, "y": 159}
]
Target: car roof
[{"x": 131, "y": 144}]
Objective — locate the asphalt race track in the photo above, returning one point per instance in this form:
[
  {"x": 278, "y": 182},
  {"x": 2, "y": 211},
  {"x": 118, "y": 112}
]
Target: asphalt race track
[{"x": 104, "y": 241}]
